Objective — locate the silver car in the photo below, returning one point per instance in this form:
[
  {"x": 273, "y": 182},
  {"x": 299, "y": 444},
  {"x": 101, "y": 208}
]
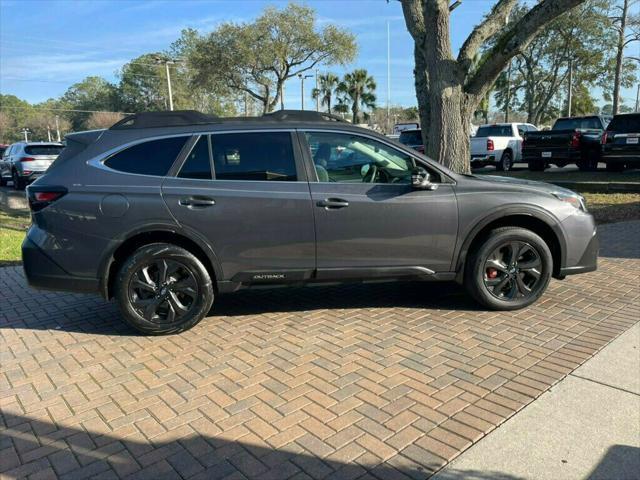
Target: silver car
[{"x": 23, "y": 162}]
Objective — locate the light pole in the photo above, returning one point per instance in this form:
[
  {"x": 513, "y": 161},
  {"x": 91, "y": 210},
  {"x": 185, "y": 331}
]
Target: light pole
[
  {"x": 57, "y": 128},
  {"x": 26, "y": 132},
  {"x": 166, "y": 64},
  {"x": 302, "y": 77}
]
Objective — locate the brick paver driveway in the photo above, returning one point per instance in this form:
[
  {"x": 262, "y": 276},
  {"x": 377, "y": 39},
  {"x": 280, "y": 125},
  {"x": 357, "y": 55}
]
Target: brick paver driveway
[{"x": 379, "y": 381}]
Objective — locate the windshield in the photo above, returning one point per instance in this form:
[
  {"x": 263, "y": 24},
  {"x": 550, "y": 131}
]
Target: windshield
[
  {"x": 413, "y": 137},
  {"x": 43, "y": 149},
  {"x": 495, "y": 131},
  {"x": 625, "y": 124},
  {"x": 588, "y": 123}
]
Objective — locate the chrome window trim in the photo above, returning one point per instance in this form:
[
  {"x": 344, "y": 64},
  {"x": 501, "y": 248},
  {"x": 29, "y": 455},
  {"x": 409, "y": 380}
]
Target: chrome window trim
[{"x": 98, "y": 161}]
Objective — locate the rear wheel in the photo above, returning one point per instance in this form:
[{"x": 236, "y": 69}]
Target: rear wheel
[
  {"x": 18, "y": 183},
  {"x": 537, "y": 165},
  {"x": 505, "y": 163},
  {"x": 615, "y": 167},
  {"x": 162, "y": 288},
  {"x": 511, "y": 269},
  {"x": 3, "y": 182},
  {"x": 589, "y": 162}
]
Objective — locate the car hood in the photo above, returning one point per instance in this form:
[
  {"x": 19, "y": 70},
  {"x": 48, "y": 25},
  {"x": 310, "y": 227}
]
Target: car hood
[{"x": 520, "y": 182}]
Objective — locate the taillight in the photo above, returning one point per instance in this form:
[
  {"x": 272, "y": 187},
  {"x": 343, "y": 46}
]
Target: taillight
[
  {"x": 604, "y": 137},
  {"x": 27, "y": 159},
  {"x": 490, "y": 145},
  {"x": 575, "y": 139},
  {"x": 41, "y": 196}
]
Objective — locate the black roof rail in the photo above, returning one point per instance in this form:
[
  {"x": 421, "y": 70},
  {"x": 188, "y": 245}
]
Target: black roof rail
[
  {"x": 303, "y": 116},
  {"x": 178, "y": 118},
  {"x": 164, "y": 119}
]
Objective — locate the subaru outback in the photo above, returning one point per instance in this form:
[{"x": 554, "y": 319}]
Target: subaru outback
[{"x": 165, "y": 211}]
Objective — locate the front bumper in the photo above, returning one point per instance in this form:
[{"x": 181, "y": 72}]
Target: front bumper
[
  {"x": 44, "y": 273},
  {"x": 582, "y": 245}
]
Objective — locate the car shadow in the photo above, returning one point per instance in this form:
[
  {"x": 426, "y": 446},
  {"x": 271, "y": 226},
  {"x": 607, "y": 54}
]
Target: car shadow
[
  {"x": 91, "y": 314},
  {"x": 33, "y": 445},
  {"x": 620, "y": 461}
]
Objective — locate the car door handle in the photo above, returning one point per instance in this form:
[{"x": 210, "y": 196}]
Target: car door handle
[
  {"x": 332, "y": 203},
  {"x": 197, "y": 202}
]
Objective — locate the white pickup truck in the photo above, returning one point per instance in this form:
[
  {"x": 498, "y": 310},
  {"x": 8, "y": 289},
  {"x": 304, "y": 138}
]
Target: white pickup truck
[{"x": 499, "y": 144}]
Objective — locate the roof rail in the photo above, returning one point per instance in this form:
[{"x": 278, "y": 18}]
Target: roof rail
[
  {"x": 163, "y": 119},
  {"x": 178, "y": 118},
  {"x": 303, "y": 116}
]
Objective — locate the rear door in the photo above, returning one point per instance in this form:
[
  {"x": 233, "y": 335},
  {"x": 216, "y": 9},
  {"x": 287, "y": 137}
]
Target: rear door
[
  {"x": 246, "y": 194},
  {"x": 369, "y": 220}
]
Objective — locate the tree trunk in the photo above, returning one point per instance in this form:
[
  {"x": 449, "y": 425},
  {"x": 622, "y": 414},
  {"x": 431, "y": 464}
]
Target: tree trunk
[
  {"x": 620, "y": 57},
  {"x": 355, "y": 110},
  {"x": 450, "y": 128}
]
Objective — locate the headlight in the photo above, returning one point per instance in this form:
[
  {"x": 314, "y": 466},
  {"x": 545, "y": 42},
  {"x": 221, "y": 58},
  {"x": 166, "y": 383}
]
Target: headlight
[{"x": 573, "y": 199}]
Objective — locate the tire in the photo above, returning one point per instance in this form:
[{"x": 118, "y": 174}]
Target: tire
[
  {"x": 18, "y": 183},
  {"x": 615, "y": 167},
  {"x": 537, "y": 165},
  {"x": 3, "y": 182},
  {"x": 505, "y": 163},
  {"x": 589, "y": 163},
  {"x": 146, "y": 301},
  {"x": 486, "y": 289}
]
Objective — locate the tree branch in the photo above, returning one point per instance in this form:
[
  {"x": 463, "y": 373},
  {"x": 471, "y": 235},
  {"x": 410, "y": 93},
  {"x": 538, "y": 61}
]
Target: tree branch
[
  {"x": 513, "y": 41},
  {"x": 492, "y": 23}
]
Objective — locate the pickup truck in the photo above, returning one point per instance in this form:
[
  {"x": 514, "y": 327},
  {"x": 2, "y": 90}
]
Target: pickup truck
[
  {"x": 499, "y": 144},
  {"x": 570, "y": 140}
]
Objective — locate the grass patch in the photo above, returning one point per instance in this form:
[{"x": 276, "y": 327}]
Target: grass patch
[
  {"x": 10, "y": 246},
  {"x": 613, "y": 207},
  {"x": 560, "y": 175}
]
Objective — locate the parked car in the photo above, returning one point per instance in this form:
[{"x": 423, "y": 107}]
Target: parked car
[
  {"x": 23, "y": 162},
  {"x": 398, "y": 128},
  {"x": 499, "y": 144},
  {"x": 165, "y": 211},
  {"x": 621, "y": 142},
  {"x": 571, "y": 140},
  {"x": 412, "y": 139}
]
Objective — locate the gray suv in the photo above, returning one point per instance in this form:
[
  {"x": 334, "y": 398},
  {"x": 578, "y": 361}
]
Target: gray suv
[
  {"x": 23, "y": 162},
  {"x": 164, "y": 211}
]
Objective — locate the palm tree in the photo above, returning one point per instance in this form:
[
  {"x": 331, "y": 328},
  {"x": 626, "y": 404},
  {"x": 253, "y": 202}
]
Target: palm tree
[
  {"x": 359, "y": 87},
  {"x": 327, "y": 84}
]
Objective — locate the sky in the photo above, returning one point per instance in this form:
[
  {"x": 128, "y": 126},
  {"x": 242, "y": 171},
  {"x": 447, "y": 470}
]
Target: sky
[{"x": 47, "y": 45}]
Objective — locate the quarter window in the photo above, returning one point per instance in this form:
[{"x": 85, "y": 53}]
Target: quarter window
[
  {"x": 254, "y": 156},
  {"x": 149, "y": 158},
  {"x": 198, "y": 164},
  {"x": 345, "y": 158}
]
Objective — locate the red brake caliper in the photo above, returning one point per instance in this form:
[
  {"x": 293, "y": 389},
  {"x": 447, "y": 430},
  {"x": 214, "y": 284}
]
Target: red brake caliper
[{"x": 492, "y": 272}]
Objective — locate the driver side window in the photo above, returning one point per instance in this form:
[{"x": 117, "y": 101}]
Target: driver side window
[{"x": 348, "y": 158}]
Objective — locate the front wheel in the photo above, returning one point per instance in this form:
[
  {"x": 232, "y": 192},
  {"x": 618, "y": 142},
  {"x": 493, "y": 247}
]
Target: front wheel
[
  {"x": 511, "y": 269},
  {"x": 162, "y": 288}
]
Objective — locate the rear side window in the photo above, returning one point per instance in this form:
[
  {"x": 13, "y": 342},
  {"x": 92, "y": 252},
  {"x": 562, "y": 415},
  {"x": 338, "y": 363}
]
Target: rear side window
[
  {"x": 43, "y": 149},
  {"x": 254, "y": 156},
  {"x": 625, "y": 124},
  {"x": 495, "y": 131},
  {"x": 198, "y": 164},
  {"x": 149, "y": 158}
]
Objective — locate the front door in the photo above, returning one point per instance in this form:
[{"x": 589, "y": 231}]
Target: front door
[
  {"x": 246, "y": 195},
  {"x": 368, "y": 217}
]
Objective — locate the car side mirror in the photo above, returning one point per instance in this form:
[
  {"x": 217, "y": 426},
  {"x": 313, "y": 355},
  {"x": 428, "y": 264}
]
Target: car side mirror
[{"x": 421, "y": 180}]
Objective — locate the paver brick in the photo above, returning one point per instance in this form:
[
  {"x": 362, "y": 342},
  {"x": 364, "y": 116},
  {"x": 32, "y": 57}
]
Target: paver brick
[{"x": 379, "y": 381}]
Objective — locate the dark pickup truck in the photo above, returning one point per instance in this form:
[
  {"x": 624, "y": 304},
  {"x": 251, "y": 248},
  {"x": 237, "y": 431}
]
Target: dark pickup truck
[{"x": 571, "y": 140}]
